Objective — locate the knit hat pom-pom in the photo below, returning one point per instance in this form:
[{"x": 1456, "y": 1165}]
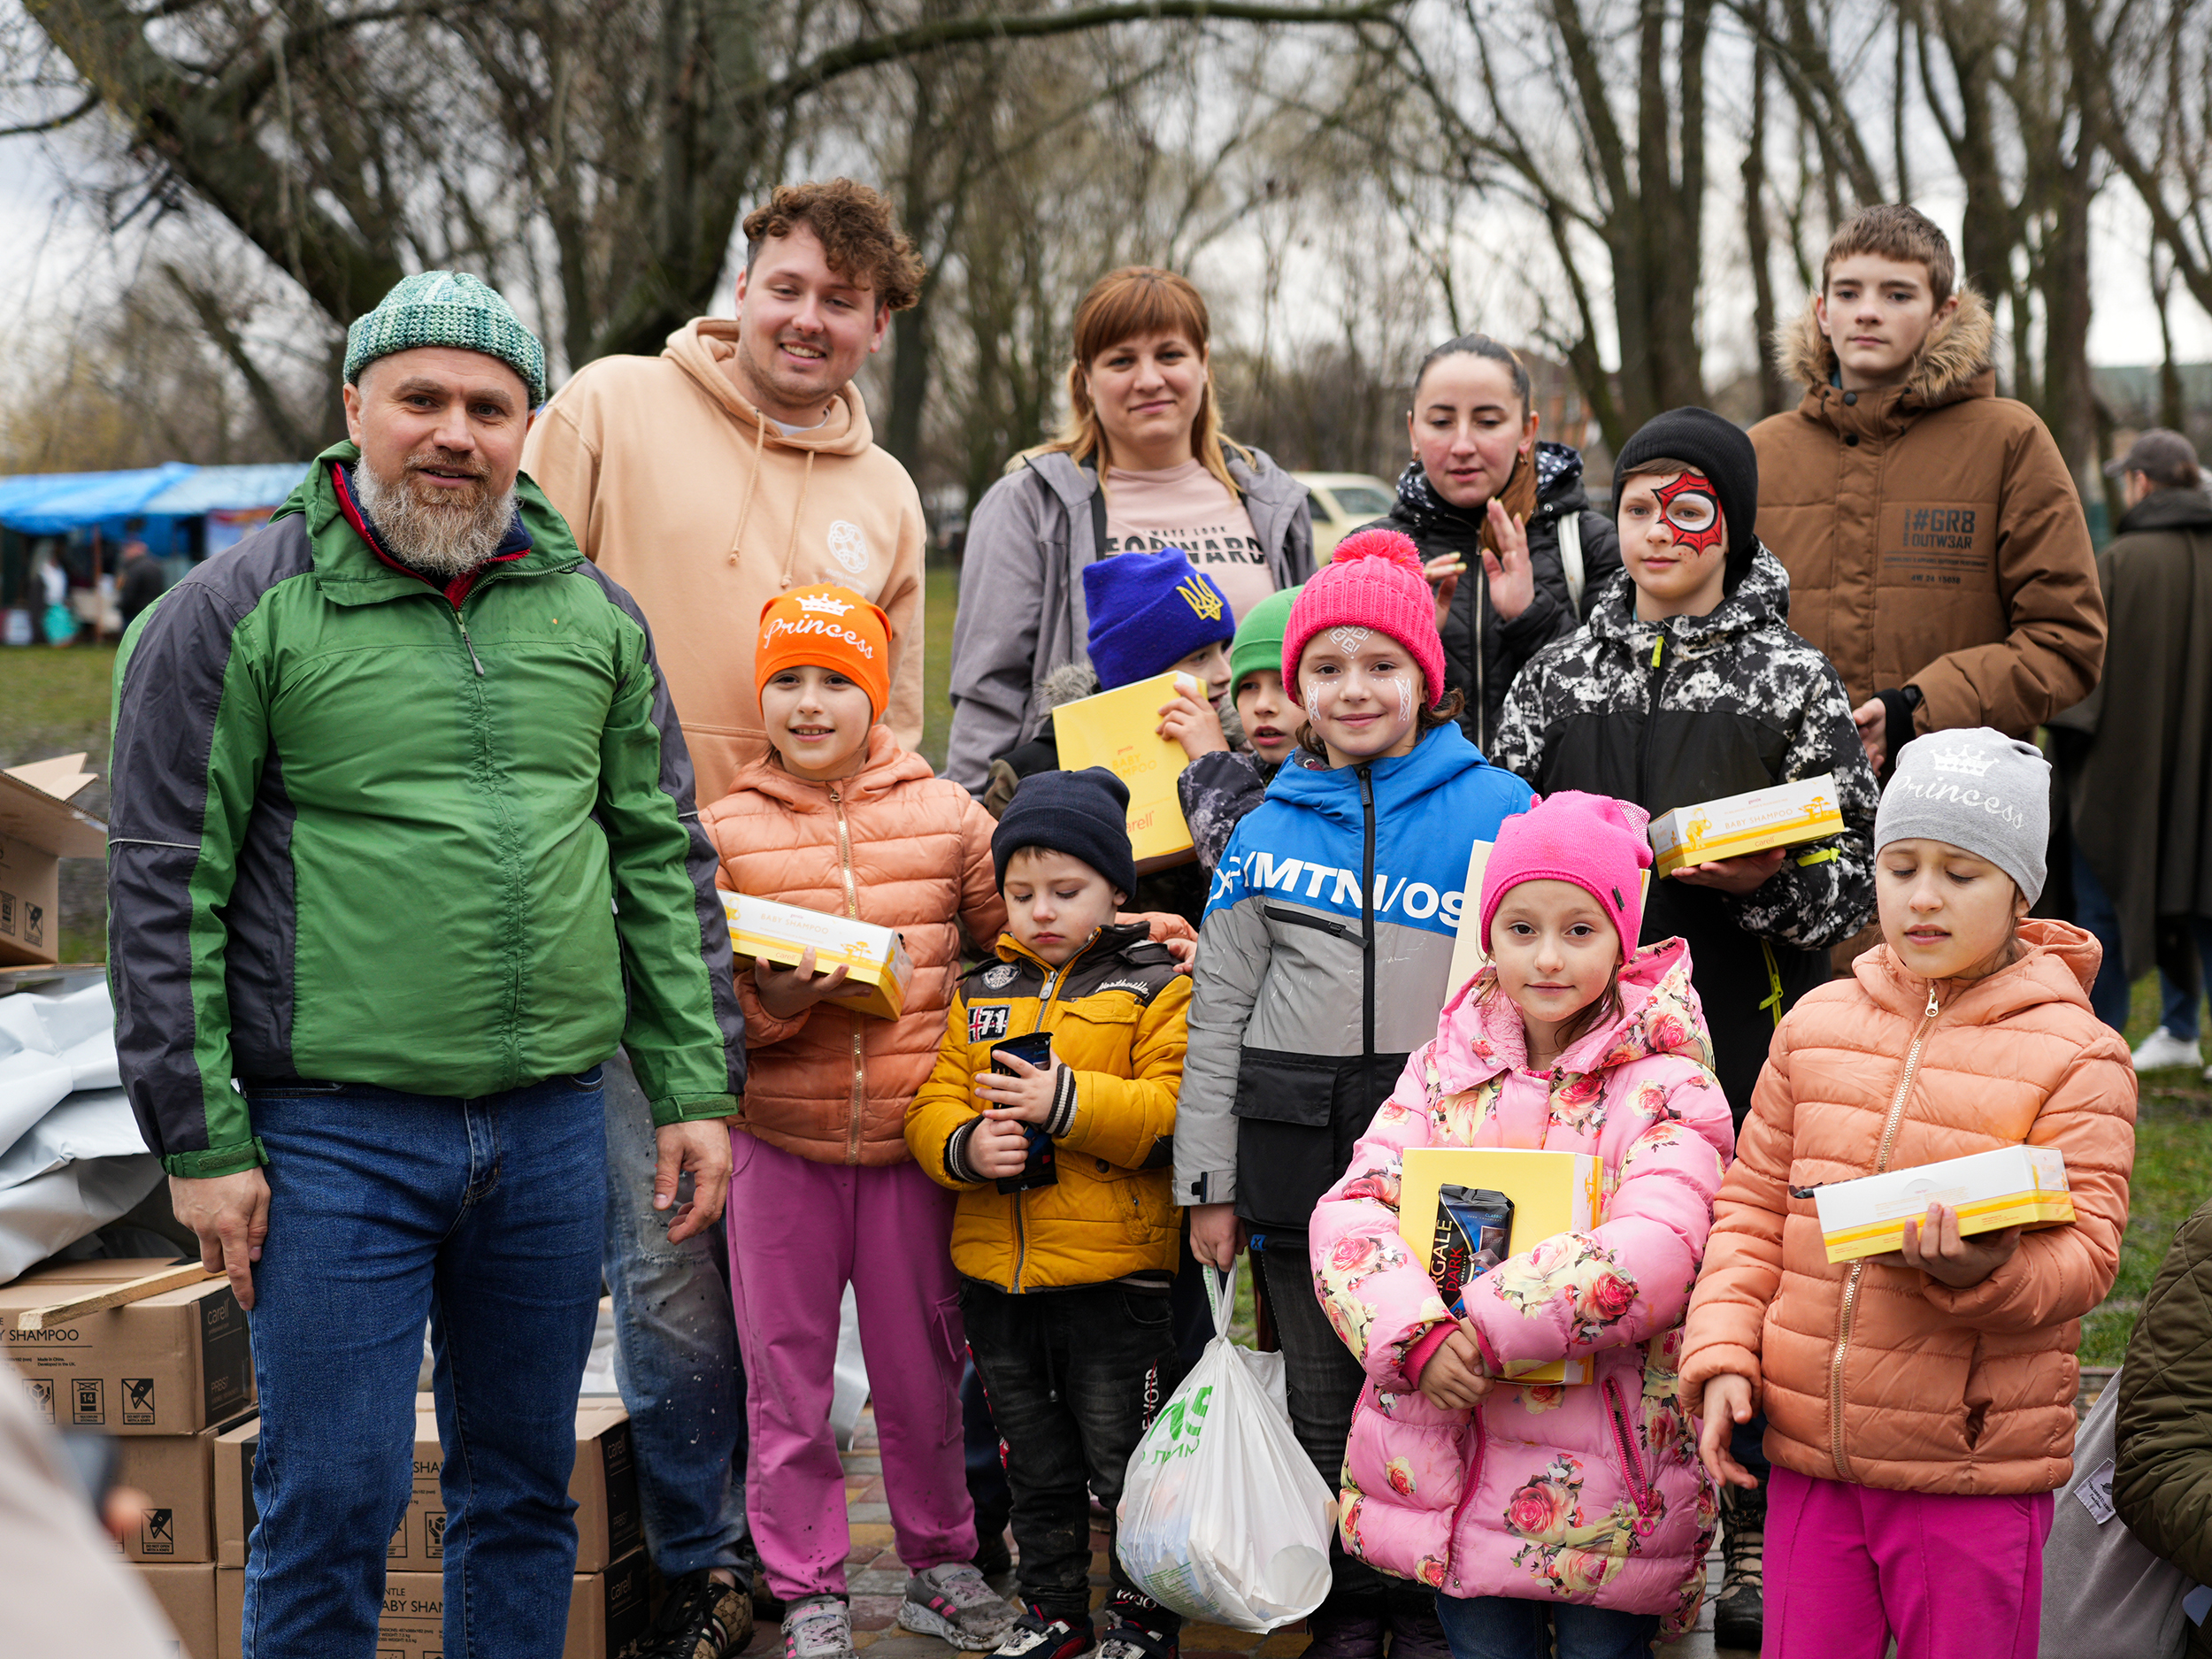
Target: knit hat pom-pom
[{"x": 1394, "y": 546}]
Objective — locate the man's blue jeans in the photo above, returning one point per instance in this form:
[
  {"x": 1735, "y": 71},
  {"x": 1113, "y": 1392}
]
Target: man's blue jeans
[
  {"x": 483, "y": 1217},
  {"x": 2178, "y": 1003},
  {"x": 676, "y": 1358}
]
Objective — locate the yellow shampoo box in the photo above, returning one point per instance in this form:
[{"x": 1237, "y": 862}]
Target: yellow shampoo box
[
  {"x": 1119, "y": 730},
  {"x": 1787, "y": 815},
  {"x": 2011, "y": 1186},
  {"x": 1552, "y": 1192},
  {"x": 877, "y": 966}
]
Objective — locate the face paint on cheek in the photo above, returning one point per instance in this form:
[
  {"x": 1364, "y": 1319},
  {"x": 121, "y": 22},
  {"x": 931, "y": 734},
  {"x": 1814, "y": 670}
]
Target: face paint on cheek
[{"x": 1405, "y": 697}]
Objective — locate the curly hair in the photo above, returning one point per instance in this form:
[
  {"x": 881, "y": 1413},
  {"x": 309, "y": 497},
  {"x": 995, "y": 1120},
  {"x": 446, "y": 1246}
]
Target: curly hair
[{"x": 860, "y": 235}]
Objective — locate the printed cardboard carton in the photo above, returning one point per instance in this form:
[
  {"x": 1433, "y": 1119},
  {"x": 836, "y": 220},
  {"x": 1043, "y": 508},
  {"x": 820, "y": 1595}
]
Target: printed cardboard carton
[
  {"x": 1119, "y": 730},
  {"x": 1787, "y": 815}
]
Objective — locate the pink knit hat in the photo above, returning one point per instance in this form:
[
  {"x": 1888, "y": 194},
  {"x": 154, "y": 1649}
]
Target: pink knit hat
[
  {"x": 1593, "y": 840},
  {"x": 1373, "y": 581}
]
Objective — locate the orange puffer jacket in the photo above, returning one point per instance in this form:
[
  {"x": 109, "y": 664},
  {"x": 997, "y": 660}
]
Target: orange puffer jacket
[
  {"x": 1876, "y": 1374},
  {"x": 893, "y": 845}
]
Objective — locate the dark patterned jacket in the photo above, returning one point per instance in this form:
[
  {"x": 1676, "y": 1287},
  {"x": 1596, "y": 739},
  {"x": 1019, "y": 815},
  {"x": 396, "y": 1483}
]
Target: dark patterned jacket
[
  {"x": 1693, "y": 709},
  {"x": 1217, "y": 790}
]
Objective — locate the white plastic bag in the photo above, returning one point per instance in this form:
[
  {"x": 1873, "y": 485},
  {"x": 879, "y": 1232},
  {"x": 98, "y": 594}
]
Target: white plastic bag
[{"x": 1222, "y": 1515}]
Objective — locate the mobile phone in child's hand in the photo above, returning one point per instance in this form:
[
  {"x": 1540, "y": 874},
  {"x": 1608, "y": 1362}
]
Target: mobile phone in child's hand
[{"x": 1040, "y": 1169}]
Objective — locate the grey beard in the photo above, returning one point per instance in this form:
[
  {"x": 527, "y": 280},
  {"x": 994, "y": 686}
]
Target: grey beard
[{"x": 438, "y": 541}]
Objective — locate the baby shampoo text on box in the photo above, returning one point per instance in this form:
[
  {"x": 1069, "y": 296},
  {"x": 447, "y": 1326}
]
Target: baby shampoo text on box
[
  {"x": 2011, "y": 1186},
  {"x": 876, "y": 967}
]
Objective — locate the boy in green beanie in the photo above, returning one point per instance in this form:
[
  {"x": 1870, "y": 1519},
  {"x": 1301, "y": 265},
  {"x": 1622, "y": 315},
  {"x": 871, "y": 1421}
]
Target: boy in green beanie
[{"x": 1223, "y": 783}]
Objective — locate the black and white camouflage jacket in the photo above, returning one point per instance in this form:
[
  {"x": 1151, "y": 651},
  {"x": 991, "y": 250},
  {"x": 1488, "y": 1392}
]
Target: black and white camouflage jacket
[{"x": 1694, "y": 709}]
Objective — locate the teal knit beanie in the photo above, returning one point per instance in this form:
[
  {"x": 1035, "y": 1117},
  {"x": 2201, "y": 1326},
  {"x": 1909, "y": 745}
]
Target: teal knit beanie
[
  {"x": 446, "y": 308},
  {"x": 1259, "y": 642}
]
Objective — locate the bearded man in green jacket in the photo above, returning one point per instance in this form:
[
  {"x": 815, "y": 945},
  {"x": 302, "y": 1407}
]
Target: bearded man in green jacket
[{"x": 403, "y": 844}]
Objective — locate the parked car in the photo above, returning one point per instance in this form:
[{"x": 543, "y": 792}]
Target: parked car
[{"x": 1342, "y": 502}]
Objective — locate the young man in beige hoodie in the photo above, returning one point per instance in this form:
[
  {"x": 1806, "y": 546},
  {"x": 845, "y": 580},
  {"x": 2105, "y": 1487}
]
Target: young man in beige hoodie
[{"x": 737, "y": 465}]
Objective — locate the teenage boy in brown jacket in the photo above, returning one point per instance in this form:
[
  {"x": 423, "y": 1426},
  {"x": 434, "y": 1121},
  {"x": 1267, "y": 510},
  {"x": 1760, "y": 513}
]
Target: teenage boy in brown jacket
[{"x": 1935, "y": 544}]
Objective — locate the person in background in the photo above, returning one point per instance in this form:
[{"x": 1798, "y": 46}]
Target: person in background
[
  {"x": 1935, "y": 544},
  {"x": 735, "y": 467},
  {"x": 1686, "y": 688},
  {"x": 58, "y": 621},
  {"x": 1323, "y": 961},
  {"x": 839, "y": 817},
  {"x": 1065, "y": 1285},
  {"x": 403, "y": 846},
  {"x": 1493, "y": 509},
  {"x": 2136, "y": 754},
  {"x": 1573, "y": 1039},
  {"x": 143, "y": 581},
  {"x": 1142, "y": 465},
  {"x": 1920, "y": 1403},
  {"x": 2162, "y": 1472}
]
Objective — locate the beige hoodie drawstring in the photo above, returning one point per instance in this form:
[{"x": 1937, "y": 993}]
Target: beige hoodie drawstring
[
  {"x": 745, "y": 512},
  {"x": 791, "y": 546}
]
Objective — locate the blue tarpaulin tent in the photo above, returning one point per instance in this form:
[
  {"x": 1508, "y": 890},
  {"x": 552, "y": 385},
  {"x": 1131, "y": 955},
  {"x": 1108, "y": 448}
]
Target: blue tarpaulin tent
[{"x": 52, "y": 504}]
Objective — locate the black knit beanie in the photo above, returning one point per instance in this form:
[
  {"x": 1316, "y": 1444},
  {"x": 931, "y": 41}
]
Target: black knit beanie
[
  {"x": 1716, "y": 447},
  {"x": 1083, "y": 814}
]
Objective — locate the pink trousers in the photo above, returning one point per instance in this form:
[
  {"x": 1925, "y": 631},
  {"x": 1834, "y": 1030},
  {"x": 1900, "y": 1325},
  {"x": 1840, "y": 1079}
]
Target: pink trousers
[
  {"x": 799, "y": 1232},
  {"x": 1951, "y": 1578}
]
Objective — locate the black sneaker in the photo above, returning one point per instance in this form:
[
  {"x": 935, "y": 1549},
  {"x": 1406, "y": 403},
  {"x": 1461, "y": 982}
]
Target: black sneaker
[
  {"x": 1038, "y": 1635},
  {"x": 1739, "y": 1609},
  {"x": 993, "y": 1554},
  {"x": 1130, "y": 1640},
  {"x": 703, "y": 1618}
]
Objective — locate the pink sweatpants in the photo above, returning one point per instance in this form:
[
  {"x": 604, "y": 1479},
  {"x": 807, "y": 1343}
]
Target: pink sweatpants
[
  {"x": 1952, "y": 1577},
  {"x": 799, "y": 1231}
]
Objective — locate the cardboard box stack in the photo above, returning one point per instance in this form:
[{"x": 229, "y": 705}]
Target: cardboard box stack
[
  {"x": 38, "y": 829},
  {"x": 607, "y": 1616}
]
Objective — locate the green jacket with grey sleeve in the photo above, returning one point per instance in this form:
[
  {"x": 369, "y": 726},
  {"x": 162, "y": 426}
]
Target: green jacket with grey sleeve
[{"x": 366, "y": 831}]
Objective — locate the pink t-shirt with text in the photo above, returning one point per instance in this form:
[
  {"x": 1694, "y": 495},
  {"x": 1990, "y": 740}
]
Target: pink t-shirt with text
[{"x": 1188, "y": 507}]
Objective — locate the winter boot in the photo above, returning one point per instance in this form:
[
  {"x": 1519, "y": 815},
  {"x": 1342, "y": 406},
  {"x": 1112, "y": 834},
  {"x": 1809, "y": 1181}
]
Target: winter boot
[
  {"x": 1740, "y": 1610},
  {"x": 1345, "y": 1631},
  {"x": 1414, "y": 1632}
]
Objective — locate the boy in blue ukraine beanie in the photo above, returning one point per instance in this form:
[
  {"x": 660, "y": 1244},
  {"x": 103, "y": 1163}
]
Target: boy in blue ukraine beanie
[{"x": 1151, "y": 612}]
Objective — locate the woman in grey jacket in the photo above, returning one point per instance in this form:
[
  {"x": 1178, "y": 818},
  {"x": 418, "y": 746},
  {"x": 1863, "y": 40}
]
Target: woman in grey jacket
[{"x": 1144, "y": 418}]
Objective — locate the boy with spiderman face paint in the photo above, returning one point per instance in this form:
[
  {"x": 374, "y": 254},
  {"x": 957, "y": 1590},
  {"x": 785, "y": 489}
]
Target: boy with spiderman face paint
[{"x": 1687, "y": 686}]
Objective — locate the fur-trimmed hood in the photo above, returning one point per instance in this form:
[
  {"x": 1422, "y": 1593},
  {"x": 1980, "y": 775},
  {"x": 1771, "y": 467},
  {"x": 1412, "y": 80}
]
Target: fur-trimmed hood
[{"x": 1954, "y": 364}]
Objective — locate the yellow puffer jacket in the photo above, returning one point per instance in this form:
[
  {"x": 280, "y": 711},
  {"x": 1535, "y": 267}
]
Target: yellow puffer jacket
[{"x": 1116, "y": 1013}]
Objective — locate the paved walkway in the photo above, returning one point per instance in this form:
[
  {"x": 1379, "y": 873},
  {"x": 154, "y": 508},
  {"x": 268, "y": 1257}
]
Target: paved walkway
[{"x": 877, "y": 1579}]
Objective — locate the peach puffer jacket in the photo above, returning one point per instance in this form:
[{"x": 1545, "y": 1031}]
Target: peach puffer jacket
[
  {"x": 894, "y": 845},
  {"x": 1880, "y": 1375}
]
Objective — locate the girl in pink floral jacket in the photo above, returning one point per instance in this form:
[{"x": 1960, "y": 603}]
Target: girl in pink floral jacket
[{"x": 1581, "y": 1506}]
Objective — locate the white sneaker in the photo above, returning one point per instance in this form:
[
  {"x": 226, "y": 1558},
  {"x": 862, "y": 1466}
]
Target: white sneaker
[{"x": 2161, "y": 1049}]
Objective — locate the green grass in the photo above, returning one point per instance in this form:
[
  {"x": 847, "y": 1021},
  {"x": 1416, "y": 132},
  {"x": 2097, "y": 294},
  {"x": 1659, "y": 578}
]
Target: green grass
[{"x": 54, "y": 702}]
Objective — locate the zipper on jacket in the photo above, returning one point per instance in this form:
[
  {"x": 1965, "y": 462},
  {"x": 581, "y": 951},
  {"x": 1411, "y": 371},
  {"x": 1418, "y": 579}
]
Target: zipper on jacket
[
  {"x": 1301, "y": 918},
  {"x": 1473, "y": 1479},
  {"x": 468, "y": 645},
  {"x": 1632, "y": 1468},
  {"x": 1055, "y": 978},
  {"x": 859, "y": 1037},
  {"x": 1844, "y": 1310},
  {"x": 1660, "y": 666},
  {"x": 1368, "y": 1102}
]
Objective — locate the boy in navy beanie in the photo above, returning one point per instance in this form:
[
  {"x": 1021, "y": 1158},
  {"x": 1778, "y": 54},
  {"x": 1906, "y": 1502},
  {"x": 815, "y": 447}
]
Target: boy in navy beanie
[{"x": 1065, "y": 1235}]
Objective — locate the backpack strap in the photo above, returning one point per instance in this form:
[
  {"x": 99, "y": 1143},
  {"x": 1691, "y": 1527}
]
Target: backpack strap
[
  {"x": 1098, "y": 514},
  {"x": 1571, "y": 558}
]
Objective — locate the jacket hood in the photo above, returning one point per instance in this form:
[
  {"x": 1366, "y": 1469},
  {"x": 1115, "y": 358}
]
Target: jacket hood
[
  {"x": 703, "y": 344},
  {"x": 1761, "y": 600},
  {"x": 2168, "y": 510},
  {"x": 887, "y": 766},
  {"x": 1399, "y": 783},
  {"x": 1954, "y": 364},
  {"x": 2057, "y": 962},
  {"x": 1480, "y": 1035}
]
